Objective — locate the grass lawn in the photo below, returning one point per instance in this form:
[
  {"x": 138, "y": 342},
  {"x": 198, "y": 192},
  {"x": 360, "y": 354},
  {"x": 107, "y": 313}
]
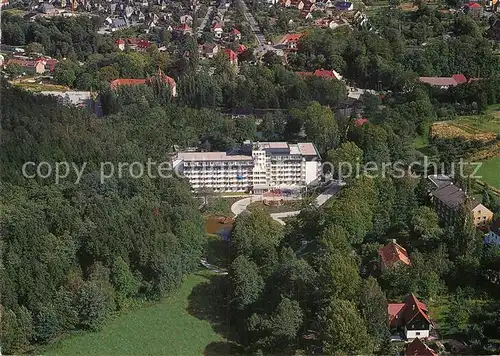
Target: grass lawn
[
  {"x": 490, "y": 171},
  {"x": 181, "y": 324}
]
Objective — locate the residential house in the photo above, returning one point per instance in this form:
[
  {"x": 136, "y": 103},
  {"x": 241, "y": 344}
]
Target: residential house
[
  {"x": 473, "y": 8},
  {"x": 494, "y": 30},
  {"x": 410, "y": 317},
  {"x": 209, "y": 50},
  {"x": 50, "y": 64},
  {"x": 29, "y": 66},
  {"x": 241, "y": 48},
  {"x": 184, "y": 29},
  {"x": 217, "y": 30},
  {"x": 148, "y": 81},
  {"x": 290, "y": 40},
  {"x": 392, "y": 255},
  {"x": 344, "y": 6},
  {"x": 328, "y": 22},
  {"x": 438, "y": 181},
  {"x": 143, "y": 45},
  {"x": 232, "y": 56},
  {"x": 121, "y": 44},
  {"x": 360, "y": 122},
  {"x": 449, "y": 201},
  {"x": 286, "y": 3},
  {"x": 444, "y": 82},
  {"x": 4, "y": 3},
  {"x": 186, "y": 19},
  {"x": 418, "y": 348},
  {"x": 493, "y": 235},
  {"x": 235, "y": 34}
]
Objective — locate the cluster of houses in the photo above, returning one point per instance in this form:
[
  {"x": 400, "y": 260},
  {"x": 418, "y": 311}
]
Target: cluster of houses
[
  {"x": 306, "y": 7},
  {"x": 31, "y": 66},
  {"x": 411, "y": 317}
]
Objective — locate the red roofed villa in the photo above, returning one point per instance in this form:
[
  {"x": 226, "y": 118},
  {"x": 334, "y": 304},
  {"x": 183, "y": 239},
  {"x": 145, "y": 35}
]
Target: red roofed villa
[
  {"x": 410, "y": 317},
  {"x": 320, "y": 73},
  {"x": 235, "y": 34},
  {"x": 391, "y": 255}
]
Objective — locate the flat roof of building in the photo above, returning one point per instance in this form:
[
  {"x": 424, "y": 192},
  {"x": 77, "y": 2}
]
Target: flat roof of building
[
  {"x": 211, "y": 156},
  {"x": 307, "y": 149}
]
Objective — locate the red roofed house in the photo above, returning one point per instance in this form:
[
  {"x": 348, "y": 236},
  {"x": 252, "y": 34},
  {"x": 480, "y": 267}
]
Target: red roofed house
[
  {"x": 170, "y": 81},
  {"x": 235, "y": 34},
  {"x": 121, "y": 44},
  {"x": 290, "y": 40},
  {"x": 391, "y": 255},
  {"x": 360, "y": 122},
  {"x": 132, "y": 42},
  {"x": 418, "y": 348},
  {"x": 143, "y": 45},
  {"x": 217, "y": 30},
  {"x": 473, "y": 8},
  {"x": 29, "y": 66},
  {"x": 50, "y": 64},
  {"x": 241, "y": 48},
  {"x": 444, "y": 82},
  {"x": 184, "y": 29},
  {"x": 320, "y": 73},
  {"x": 233, "y": 57},
  {"x": 411, "y": 317}
]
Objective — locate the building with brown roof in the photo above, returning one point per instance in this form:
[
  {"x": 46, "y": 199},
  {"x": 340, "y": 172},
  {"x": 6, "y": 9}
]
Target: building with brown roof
[
  {"x": 418, "y": 348},
  {"x": 392, "y": 255},
  {"x": 148, "y": 81},
  {"x": 450, "y": 200},
  {"x": 410, "y": 317},
  {"x": 29, "y": 66}
]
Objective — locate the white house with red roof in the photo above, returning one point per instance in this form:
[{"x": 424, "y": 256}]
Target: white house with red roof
[
  {"x": 217, "y": 30},
  {"x": 235, "y": 34},
  {"x": 410, "y": 317},
  {"x": 121, "y": 44},
  {"x": 184, "y": 29},
  {"x": 290, "y": 40},
  {"x": 232, "y": 56}
]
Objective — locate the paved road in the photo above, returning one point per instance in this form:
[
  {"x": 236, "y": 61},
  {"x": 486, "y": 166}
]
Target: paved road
[
  {"x": 204, "y": 21},
  {"x": 263, "y": 46}
]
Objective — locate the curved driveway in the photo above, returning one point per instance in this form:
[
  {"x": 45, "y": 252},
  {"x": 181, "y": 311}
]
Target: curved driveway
[{"x": 241, "y": 205}]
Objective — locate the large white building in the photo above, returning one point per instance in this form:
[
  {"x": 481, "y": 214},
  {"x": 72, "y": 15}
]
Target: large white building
[{"x": 255, "y": 166}]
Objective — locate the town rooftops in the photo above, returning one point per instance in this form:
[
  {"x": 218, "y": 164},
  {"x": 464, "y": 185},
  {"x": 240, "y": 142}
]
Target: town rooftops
[
  {"x": 235, "y": 32},
  {"x": 418, "y": 348},
  {"x": 211, "y": 156},
  {"x": 453, "y": 196},
  {"x": 231, "y": 54},
  {"x": 392, "y": 254}
]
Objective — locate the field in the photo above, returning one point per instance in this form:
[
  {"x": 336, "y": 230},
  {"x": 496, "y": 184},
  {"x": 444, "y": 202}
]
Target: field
[
  {"x": 186, "y": 323},
  {"x": 36, "y": 87},
  {"x": 473, "y": 130},
  {"x": 491, "y": 172}
]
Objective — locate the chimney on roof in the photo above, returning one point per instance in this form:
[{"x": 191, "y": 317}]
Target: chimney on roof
[{"x": 393, "y": 241}]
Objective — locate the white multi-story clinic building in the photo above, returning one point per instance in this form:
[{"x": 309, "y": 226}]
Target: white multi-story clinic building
[{"x": 255, "y": 166}]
